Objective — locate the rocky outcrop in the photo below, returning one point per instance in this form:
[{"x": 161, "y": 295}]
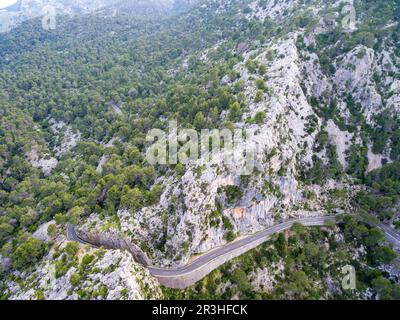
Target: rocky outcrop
[
  {"x": 114, "y": 270},
  {"x": 42, "y": 234},
  {"x": 68, "y": 137},
  {"x": 184, "y": 219},
  {"x": 111, "y": 240},
  {"x": 341, "y": 139},
  {"x": 44, "y": 162},
  {"x": 354, "y": 76}
]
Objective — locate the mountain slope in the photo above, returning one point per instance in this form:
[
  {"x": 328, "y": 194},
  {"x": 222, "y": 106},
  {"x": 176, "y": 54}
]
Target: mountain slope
[
  {"x": 27, "y": 9},
  {"x": 78, "y": 101}
]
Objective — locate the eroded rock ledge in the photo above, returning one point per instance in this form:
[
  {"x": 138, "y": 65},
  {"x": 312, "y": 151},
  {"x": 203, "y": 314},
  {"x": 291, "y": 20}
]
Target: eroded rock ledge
[{"x": 111, "y": 240}]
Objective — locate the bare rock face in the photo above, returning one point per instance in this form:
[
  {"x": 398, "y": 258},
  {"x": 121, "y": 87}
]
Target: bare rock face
[
  {"x": 354, "y": 76},
  {"x": 46, "y": 165},
  {"x": 188, "y": 221},
  {"x": 184, "y": 221},
  {"x": 341, "y": 139},
  {"x": 111, "y": 240},
  {"x": 5, "y": 264},
  {"x": 256, "y": 216},
  {"x": 42, "y": 234},
  {"x": 270, "y": 10},
  {"x": 68, "y": 138}
]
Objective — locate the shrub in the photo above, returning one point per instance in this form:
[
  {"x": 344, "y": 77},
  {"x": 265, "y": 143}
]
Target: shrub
[
  {"x": 87, "y": 259},
  {"x": 28, "y": 253},
  {"x": 259, "y": 96},
  {"x": 259, "y": 118},
  {"x": 233, "y": 193},
  {"x": 75, "y": 279}
]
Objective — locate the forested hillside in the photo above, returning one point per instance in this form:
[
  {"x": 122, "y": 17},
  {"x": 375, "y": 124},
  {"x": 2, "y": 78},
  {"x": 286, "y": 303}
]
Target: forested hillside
[{"x": 77, "y": 102}]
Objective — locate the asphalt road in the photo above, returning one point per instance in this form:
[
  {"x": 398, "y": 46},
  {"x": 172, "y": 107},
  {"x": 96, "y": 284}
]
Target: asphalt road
[
  {"x": 392, "y": 236},
  {"x": 203, "y": 260},
  {"x": 72, "y": 236},
  {"x": 231, "y": 247}
]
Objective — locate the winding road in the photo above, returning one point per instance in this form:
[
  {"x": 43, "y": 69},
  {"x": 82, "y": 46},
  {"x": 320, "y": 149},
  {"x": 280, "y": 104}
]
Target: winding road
[
  {"x": 392, "y": 236},
  {"x": 189, "y": 274},
  {"x": 236, "y": 245}
]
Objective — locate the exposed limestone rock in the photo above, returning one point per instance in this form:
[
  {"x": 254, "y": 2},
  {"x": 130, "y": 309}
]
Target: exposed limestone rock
[
  {"x": 44, "y": 162},
  {"x": 272, "y": 9},
  {"x": 69, "y": 138},
  {"x": 41, "y": 232},
  {"x": 253, "y": 218},
  {"x": 102, "y": 162},
  {"x": 341, "y": 139},
  {"x": 182, "y": 219},
  {"x": 264, "y": 280},
  {"x": 115, "y": 270},
  {"x": 116, "y": 109},
  {"x": 111, "y": 240},
  {"x": 354, "y": 75}
]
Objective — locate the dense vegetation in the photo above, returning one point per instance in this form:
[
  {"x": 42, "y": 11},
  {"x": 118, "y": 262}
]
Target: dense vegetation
[
  {"x": 383, "y": 196},
  {"x": 115, "y": 78}
]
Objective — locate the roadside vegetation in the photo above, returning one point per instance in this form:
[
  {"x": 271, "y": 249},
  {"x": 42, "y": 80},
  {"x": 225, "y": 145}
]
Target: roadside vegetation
[{"x": 304, "y": 263}]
